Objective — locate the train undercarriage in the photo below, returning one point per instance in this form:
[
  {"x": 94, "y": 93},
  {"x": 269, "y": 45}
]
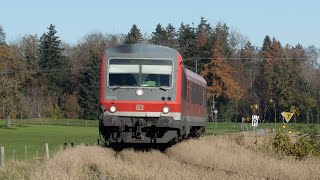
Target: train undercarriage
[{"x": 151, "y": 131}]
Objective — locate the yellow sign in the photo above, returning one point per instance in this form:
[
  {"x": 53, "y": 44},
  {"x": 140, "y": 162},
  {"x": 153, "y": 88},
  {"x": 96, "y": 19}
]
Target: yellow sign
[{"x": 287, "y": 115}]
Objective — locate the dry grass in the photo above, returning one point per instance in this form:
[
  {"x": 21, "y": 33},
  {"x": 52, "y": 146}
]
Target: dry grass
[
  {"x": 249, "y": 161},
  {"x": 205, "y": 158}
]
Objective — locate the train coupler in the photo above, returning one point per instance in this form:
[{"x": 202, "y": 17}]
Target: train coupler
[{"x": 138, "y": 135}]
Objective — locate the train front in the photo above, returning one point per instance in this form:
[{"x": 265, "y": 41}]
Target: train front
[{"x": 140, "y": 95}]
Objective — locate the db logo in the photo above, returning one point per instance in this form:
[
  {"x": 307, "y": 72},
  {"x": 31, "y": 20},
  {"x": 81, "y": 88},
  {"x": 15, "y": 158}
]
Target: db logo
[{"x": 139, "y": 107}]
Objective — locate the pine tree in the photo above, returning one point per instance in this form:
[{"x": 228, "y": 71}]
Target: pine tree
[
  {"x": 266, "y": 49},
  {"x": 250, "y": 64},
  {"x": 2, "y": 36},
  {"x": 89, "y": 88},
  {"x": 160, "y": 36},
  {"x": 204, "y": 43},
  {"x": 186, "y": 40},
  {"x": 172, "y": 36},
  {"x": 187, "y": 45},
  {"x": 53, "y": 64},
  {"x": 222, "y": 32},
  {"x": 134, "y": 36}
]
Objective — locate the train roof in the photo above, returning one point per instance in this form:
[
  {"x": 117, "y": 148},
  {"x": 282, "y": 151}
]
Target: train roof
[
  {"x": 144, "y": 50},
  {"x": 195, "y": 76}
]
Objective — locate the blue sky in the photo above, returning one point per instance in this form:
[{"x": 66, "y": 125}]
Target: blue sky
[{"x": 289, "y": 21}]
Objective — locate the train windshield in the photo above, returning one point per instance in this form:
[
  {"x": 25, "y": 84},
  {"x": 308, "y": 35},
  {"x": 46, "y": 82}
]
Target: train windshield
[{"x": 140, "y": 72}]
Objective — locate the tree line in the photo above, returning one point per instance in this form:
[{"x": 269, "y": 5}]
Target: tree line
[{"x": 44, "y": 77}]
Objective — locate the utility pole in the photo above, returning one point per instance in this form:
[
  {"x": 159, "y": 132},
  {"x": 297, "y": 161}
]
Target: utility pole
[
  {"x": 197, "y": 66},
  {"x": 212, "y": 110}
]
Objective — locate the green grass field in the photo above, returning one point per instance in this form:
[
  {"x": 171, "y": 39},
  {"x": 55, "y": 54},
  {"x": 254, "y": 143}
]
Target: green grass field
[
  {"x": 62, "y": 122},
  {"x": 229, "y": 127},
  {"x": 34, "y": 137}
]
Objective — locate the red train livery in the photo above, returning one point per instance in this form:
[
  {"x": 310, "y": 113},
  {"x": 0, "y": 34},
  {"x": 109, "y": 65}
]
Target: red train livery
[{"x": 148, "y": 96}]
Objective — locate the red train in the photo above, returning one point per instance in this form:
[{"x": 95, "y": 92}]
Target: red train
[{"x": 148, "y": 96}]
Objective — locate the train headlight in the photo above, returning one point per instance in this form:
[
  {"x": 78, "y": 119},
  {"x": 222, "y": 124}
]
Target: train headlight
[
  {"x": 112, "y": 109},
  {"x": 139, "y": 92},
  {"x": 165, "y": 110}
]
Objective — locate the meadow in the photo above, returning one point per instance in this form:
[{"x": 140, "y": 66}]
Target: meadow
[{"x": 27, "y": 140}]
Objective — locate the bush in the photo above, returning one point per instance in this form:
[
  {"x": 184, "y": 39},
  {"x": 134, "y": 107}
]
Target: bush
[
  {"x": 54, "y": 112},
  {"x": 281, "y": 144},
  {"x": 307, "y": 144},
  {"x": 312, "y": 136},
  {"x": 302, "y": 148}
]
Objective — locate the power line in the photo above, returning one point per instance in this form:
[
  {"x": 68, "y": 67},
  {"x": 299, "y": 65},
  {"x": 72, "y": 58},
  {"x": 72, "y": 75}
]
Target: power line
[{"x": 196, "y": 59}]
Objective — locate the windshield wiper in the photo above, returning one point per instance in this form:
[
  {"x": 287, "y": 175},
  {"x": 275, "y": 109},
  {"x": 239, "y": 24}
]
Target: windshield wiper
[
  {"x": 115, "y": 88},
  {"x": 162, "y": 88}
]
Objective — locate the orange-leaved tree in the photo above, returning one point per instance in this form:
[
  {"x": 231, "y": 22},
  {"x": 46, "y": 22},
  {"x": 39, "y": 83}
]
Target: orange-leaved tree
[{"x": 218, "y": 74}]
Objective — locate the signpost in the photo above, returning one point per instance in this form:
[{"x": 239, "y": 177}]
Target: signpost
[
  {"x": 215, "y": 116},
  {"x": 255, "y": 120},
  {"x": 287, "y": 116}
]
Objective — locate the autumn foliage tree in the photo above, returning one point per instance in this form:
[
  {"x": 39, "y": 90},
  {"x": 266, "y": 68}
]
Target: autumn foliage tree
[
  {"x": 11, "y": 79},
  {"x": 218, "y": 74}
]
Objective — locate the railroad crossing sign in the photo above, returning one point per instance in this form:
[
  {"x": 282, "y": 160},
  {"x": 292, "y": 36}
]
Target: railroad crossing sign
[
  {"x": 255, "y": 120},
  {"x": 287, "y": 115}
]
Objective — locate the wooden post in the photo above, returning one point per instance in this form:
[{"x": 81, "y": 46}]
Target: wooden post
[
  {"x": 26, "y": 152},
  {"x": 86, "y": 123},
  {"x": 47, "y": 150},
  {"x": 14, "y": 154},
  {"x": 1, "y": 156}
]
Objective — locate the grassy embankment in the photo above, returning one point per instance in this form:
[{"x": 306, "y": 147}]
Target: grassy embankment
[{"x": 211, "y": 157}]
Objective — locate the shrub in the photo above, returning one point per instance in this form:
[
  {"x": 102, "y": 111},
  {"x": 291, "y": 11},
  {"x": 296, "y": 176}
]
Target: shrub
[
  {"x": 307, "y": 144},
  {"x": 281, "y": 144},
  {"x": 302, "y": 148},
  {"x": 54, "y": 112}
]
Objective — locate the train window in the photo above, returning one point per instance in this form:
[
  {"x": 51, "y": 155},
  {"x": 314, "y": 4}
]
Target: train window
[
  {"x": 140, "y": 72},
  {"x": 156, "y": 75},
  {"x": 122, "y": 80}
]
